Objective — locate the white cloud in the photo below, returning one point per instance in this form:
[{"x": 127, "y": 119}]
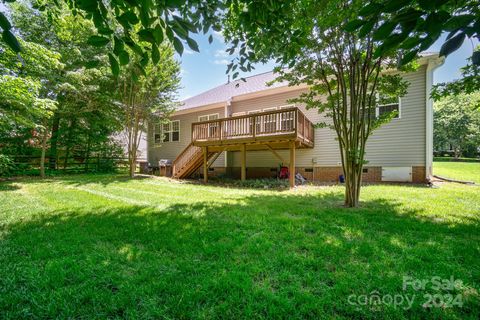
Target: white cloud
[
  {"x": 183, "y": 72},
  {"x": 188, "y": 51},
  {"x": 221, "y": 53},
  {"x": 221, "y": 61}
]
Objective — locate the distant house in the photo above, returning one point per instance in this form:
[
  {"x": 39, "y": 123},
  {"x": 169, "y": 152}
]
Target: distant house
[{"x": 248, "y": 129}]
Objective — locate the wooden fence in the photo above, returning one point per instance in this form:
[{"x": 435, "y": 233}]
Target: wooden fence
[{"x": 30, "y": 165}]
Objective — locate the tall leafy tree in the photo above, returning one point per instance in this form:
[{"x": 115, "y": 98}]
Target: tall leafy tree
[
  {"x": 85, "y": 116},
  {"x": 345, "y": 78},
  {"x": 145, "y": 25},
  {"x": 467, "y": 84},
  {"x": 457, "y": 124},
  {"x": 146, "y": 97},
  {"x": 25, "y": 101}
]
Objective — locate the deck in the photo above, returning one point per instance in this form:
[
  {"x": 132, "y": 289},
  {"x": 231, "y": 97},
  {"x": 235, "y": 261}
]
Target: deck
[
  {"x": 275, "y": 128},
  {"x": 286, "y": 128}
]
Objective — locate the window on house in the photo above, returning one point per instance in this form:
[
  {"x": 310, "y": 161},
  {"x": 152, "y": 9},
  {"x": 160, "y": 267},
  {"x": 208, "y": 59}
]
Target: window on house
[
  {"x": 270, "y": 120},
  {"x": 388, "y": 104},
  {"x": 211, "y": 127},
  {"x": 170, "y": 131},
  {"x": 257, "y": 123},
  {"x": 157, "y": 133}
]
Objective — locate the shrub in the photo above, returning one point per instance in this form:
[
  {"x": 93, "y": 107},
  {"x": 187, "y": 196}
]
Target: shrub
[
  {"x": 6, "y": 165},
  {"x": 266, "y": 183}
]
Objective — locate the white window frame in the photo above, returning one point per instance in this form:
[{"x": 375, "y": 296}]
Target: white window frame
[
  {"x": 163, "y": 132},
  {"x": 258, "y": 125},
  {"x": 238, "y": 114},
  {"x": 155, "y": 132},
  {"x": 267, "y": 120},
  {"x": 377, "y": 108},
  {"x": 209, "y": 117},
  {"x": 284, "y": 119},
  {"x": 212, "y": 126}
]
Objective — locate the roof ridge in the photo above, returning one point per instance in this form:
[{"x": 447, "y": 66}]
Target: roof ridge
[{"x": 226, "y": 83}]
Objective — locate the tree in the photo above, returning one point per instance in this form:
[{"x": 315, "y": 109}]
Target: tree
[
  {"x": 85, "y": 116},
  {"x": 467, "y": 84},
  {"x": 140, "y": 21},
  {"x": 23, "y": 100},
  {"x": 457, "y": 124},
  {"x": 145, "y": 97},
  {"x": 309, "y": 41},
  {"x": 414, "y": 25}
]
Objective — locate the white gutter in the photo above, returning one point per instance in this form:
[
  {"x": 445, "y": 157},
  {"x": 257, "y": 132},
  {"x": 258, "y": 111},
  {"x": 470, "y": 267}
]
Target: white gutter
[{"x": 432, "y": 65}]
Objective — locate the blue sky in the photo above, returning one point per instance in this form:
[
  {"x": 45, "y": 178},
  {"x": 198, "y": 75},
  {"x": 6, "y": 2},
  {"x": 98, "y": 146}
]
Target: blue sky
[{"x": 204, "y": 70}]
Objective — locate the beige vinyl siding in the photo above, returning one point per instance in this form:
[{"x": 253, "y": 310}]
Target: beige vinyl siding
[
  {"x": 170, "y": 150},
  {"x": 398, "y": 143},
  {"x": 402, "y": 141}
]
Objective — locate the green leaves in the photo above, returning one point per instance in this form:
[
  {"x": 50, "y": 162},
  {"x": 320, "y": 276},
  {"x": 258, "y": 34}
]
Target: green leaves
[
  {"x": 7, "y": 35},
  {"x": 146, "y": 35},
  {"x": 384, "y": 30},
  {"x": 158, "y": 34},
  {"x": 452, "y": 44},
  {"x": 155, "y": 55},
  {"x": 4, "y": 23},
  {"x": 11, "y": 41},
  {"x": 476, "y": 58},
  {"x": 92, "y": 64},
  {"x": 114, "y": 65},
  {"x": 354, "y": 25},
  {"x": 124, "y": 57},
  {"x": 408, "y": 57},
  {"x": 421, "y": 23},
  {"x": 98, "y": 41},
  {"x": 192, "y": 44},
  {"x": 177, "y": 44}
]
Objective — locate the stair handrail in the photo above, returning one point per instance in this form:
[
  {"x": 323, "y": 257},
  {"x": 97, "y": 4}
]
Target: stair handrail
[{"x": 189, "y": 150}]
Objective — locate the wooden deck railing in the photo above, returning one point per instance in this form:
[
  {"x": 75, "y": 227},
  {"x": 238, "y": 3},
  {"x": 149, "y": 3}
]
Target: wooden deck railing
[
  {"x": 286, "y": 122},
  {"x": 185, "y": 157}
]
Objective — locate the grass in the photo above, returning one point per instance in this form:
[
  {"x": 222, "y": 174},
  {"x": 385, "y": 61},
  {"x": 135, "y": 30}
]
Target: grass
[
  {"x": 109, "y": 247},
  {"x": 466, "y": 171}
]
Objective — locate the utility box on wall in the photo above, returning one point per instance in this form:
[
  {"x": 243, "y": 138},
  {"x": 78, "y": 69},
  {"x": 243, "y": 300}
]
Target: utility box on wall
[{"x": 397, "y": 174}]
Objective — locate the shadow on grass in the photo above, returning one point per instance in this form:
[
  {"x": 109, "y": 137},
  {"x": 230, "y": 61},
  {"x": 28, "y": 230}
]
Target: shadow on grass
[
  {"x": 266, "y": 256},
  {"x": 76, "y": 179}
]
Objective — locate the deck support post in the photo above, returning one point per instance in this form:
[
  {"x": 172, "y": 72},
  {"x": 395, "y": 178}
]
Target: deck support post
[
  {"x": 244, "y": 162},
  {"x": 291, "y": 169},
  {"x": 205, "y": 164}
]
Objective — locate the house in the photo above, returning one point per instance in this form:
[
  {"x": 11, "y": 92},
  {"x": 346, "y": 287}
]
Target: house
[{"x": 248, "y": 129}]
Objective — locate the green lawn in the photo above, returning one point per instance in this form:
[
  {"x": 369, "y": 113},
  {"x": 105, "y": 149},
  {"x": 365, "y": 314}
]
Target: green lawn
[
  {"x": 109, "y": 247},
  {"x": 467, "y": 171}
]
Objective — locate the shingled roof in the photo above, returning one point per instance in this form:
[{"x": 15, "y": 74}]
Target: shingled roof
[
  {"x": 230, "y": 90},
  {"x": 256, "y": 83}
]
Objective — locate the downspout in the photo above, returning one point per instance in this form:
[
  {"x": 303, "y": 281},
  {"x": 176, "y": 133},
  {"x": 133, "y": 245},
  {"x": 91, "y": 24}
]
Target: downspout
[
  {"x": 228, "y": 107},
  {"x": 432, "y": 65}
]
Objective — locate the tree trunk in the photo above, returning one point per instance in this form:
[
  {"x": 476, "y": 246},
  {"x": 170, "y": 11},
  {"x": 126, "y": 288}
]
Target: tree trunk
[
  {"x": 68, "y": 142},
  {"x": 42, "y": 157},
  {"x": 456, "y": 151},
  {"x": 53, "y": 142},
  {"x": 353, "y": 182},
  {"x": 132, "y": 167}
]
